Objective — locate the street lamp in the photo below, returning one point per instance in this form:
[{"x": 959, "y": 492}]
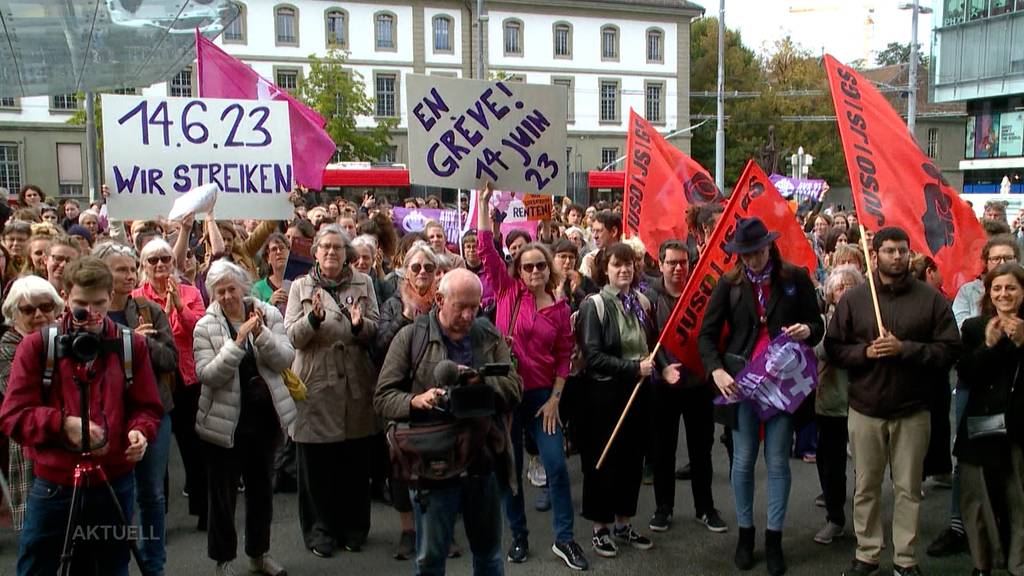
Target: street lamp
[
  {"x": 801, "y": 163},
  {"x": 915, "y": 9}
]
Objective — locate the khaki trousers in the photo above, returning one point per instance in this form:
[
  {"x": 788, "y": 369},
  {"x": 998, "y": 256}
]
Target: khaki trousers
[
  {"x": 900, "y": 443},
  {"x": 980, "y": 516}
]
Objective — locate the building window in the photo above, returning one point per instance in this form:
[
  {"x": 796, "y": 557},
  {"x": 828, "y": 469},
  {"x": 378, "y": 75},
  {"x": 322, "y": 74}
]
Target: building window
[
  {"x": 287, "y": 79},
  {"x": 10, "y": 168},
  {"x": 8, "y": 102},
  {"x": 513, "y": 38},
  {"x": 443, "y": 26},
  {"x": 235, "y": 32},
  {"x": 64, "y": 102},
  {"x": 390, "y": 155},
  {"x": 567, "y": 82},
  {"x": 336, "y": 23},
  {"x": 609, "y": 43},
  {"x": 384, "y": 31},
  {"x": 386, "y": 95},
  {"x": 125, "y": 91},
  {"x": 932, "y": 148},
  {"x": 181, "y": 84},
  {"x": 655, "y": 46},
  {"x": 286, "y": 24},
  {"x": 609, "y": 156},
  {"x": 609, "y": 100},
  {"x": 654, "y": 100},
  {"x": 563, "y": 40},
  {"x": 69, "y": 169}
]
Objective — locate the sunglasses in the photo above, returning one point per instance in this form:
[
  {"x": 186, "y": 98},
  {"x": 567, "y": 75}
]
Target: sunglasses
[
  {"x": 153, "y": 260},
  {"x": 529, "y": 267},
  {"x": 428, "y": 268},
  {"x": 30, "y": 310}
]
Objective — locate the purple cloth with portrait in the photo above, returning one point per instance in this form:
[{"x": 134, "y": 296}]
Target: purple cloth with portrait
[{"x": 777, "y": 380}]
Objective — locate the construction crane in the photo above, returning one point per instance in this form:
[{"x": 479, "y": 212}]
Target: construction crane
[{"x": 868, "y": 26}]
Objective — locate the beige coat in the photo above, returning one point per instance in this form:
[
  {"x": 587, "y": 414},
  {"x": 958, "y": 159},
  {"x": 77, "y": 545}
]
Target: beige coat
[{"x": 334, "y": 362}]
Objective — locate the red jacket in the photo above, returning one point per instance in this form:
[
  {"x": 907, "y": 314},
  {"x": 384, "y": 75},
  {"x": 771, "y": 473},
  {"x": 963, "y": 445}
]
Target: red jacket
[
  {"x": 183, "y": 323},
  {"x": 34, "y": 418}
]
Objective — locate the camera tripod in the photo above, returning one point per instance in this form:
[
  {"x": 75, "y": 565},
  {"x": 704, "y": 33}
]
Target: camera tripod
[{"x": 88, "y": 473}]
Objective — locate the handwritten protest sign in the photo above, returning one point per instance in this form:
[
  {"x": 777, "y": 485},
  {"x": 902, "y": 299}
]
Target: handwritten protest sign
[
  {"x": 157, "y": 149},
  {"x": 779, "y": 379},
  {"x": 463, "y": 133},
  {"x": 538, "y": 208}
]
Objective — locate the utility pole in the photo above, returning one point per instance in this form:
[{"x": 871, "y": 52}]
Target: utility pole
[
  {"x": 481, "y": 26},
  {"x": 91, "y": 152},
  {"x": 915, "y": 55},
  {"x": 720, "y": 132}
]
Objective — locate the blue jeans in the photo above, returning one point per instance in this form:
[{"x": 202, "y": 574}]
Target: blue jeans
[
  {"x": 436, "y": 509},
  {"x": 960, "y": 396},
  {"x": 746, "y": 439},
  {"x": 100, "y": 546},
  {"x": 149, "y": 485},
  {"x": 552, "y": 454}
]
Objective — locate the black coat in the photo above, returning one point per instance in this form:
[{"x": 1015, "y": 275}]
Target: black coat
[
  {"x": 993, "y": 376},
  {"x": 792, "y": 301}
]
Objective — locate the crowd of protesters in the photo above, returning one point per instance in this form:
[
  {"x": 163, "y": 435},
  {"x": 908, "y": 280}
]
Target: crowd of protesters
[{"x": 577, "y": 310}]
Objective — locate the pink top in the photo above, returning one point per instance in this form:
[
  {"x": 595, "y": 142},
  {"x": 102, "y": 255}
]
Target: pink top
[
  {"x": 183, "y": 322},
  {"x": 542, "y": 339}
]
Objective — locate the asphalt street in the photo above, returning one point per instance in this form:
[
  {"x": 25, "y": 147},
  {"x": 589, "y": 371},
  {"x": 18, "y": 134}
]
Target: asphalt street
[{"x": 687, "y": 549}]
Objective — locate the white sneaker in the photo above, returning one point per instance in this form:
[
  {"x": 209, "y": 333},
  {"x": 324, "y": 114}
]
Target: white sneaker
[
  {"x": 224, "y": 569},
  {"x": 536, "y": 474}
]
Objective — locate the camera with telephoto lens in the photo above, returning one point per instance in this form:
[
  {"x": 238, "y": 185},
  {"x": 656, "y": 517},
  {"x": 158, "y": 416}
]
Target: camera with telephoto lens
[
  {"x": 465, "y": 394},
  {"x": 81, "y": 346}
]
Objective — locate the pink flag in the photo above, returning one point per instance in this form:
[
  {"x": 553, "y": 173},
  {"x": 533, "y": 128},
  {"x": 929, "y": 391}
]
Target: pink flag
[{"x": 223, "y": 76}]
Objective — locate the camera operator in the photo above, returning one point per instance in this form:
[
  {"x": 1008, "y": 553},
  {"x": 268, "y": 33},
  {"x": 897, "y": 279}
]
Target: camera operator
[
  {"x": 46, "y": 421},
  {"x": 406, "y": 390}
]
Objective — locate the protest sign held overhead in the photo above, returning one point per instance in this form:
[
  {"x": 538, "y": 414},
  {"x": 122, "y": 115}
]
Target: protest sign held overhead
[
  {"x": 661, "y": 183},
  {"x": 895, "y": 184},
  {"x": 157, "y": 149},
  {"x": 464, "y": 133},
  {"x": 754, "y": 195}
]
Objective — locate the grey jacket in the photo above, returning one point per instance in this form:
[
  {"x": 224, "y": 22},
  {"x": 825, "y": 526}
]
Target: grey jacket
[
  {"x": 334, "y": 361},
  {"x": 218, "y": 358}
]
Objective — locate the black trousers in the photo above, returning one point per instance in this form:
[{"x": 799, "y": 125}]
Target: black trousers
[
  {"x": 833, "y": 436},
  {"x": 695, "y": 406},
  {"x": 334, "y": 492},
  {"x": 284, "y": 461},
  {"x": 183, "y": 424},
  {"x": 252, "y": 460},
  {"x": 939, "y": 458}
]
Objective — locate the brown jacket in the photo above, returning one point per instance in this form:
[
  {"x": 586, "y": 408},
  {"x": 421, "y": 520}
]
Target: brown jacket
[{"x": 334, "y": 361}]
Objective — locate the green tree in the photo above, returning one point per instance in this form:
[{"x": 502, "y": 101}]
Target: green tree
[
  {"x": 896, "y": 53},
  {"x": 339, "y": 95}
]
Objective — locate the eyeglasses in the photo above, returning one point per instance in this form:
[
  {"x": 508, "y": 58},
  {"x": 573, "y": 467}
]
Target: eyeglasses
[
  {"x": 529, "y": 267},
  {"x": 30, "y": 310},
  {"x": 61, "y": 259},
  {"x": 675, "y": 263},
  {"x": 428, "y": 268},
  {"x": 1001, "y": 259},
  {"x": 328, "y": 247},
  {"x": 153, "y": 260}
]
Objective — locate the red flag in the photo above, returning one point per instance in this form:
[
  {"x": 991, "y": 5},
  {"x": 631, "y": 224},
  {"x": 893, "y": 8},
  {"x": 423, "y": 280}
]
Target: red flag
[
  {"x": 754, "y": 195},
  {"x": 661, "y": 183},
  {"x": 223, "y": 76},
  {"x": 895, "y": 184}
]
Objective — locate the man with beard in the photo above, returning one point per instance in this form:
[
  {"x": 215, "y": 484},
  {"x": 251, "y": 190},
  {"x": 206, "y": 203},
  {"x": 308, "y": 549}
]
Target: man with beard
[{"x": 890, "y": 373}]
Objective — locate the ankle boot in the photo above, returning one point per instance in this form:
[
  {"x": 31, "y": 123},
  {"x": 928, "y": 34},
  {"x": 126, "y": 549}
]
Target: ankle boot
[
  {"x": 773, "y": 552},
  {"x": 745, "y": 549}
]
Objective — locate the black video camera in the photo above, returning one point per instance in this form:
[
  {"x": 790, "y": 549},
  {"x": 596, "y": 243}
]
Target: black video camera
[
  {"x": 81, "y": 346},
  {"x": 465, "y": 395}
]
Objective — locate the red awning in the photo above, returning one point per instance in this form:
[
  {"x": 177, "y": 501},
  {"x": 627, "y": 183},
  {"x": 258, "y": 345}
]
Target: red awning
[
  {"x": 373, "y": 177},
  {"x": 601, "y": 179}
]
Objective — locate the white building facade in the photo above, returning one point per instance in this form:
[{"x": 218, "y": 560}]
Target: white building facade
[{"x": 611, "y": 55}]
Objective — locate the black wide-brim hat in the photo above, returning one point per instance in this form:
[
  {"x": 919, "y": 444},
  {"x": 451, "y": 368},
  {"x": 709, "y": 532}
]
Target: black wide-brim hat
[{"x": 751, "y": 236}]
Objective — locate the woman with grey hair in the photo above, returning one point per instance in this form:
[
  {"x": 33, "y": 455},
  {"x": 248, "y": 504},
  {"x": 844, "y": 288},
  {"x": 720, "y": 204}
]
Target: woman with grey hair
[
  {"x": 332, "y": 320},
  {"x": 31, "y": 304},
  {"x": 368, "y": 260},
  {"x": 830, "y": 409},
  {"x": 241, "y": 348}
]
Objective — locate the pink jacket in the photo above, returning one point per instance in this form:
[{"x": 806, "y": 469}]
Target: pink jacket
[
  {"x": 542, "y": 339},
  {"x": 183, "y": 322}
]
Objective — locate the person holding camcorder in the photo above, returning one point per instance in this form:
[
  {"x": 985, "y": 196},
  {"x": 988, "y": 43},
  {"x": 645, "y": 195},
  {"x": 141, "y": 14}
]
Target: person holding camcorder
[
  {"x": 449, "y": 373},
  {"x": 42, "y": 411}
]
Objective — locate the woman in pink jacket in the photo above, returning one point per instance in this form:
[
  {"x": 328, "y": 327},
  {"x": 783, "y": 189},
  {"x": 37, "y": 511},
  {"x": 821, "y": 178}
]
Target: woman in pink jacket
[
  {"x": 538, "y": 325},
  {"x": 183, "y": 305}
]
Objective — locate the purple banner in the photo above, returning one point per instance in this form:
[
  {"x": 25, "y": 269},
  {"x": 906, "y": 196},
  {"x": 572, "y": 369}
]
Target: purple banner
[
  {"x": 778, "y": 380},
  {"x": 799, "y": 189},
  {"x": 415, "y": 220}
]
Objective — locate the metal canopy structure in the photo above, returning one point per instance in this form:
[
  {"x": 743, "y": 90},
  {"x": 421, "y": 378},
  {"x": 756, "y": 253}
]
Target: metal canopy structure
[{"x": 66, "y": 46}]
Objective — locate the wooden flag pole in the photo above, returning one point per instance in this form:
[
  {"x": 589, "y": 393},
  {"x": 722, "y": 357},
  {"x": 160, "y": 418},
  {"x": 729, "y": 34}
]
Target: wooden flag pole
[
  {"x": 871, "y": 280},
  {"x": 625, "y": 411}
]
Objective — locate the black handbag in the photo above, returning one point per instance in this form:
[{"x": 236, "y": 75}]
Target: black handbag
[{"x": 990, "y": 425}]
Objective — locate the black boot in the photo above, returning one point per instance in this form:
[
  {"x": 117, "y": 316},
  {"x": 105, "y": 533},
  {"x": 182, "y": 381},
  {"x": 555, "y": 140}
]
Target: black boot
[
  {"x": 773, "y": 552},
  {"x": 745, "y": 549}
]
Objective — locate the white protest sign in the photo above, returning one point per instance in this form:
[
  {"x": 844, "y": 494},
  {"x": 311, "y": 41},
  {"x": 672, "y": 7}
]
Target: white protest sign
[
  {"x": 157, "y": 149},
  {"x": 463, "y": 133}
]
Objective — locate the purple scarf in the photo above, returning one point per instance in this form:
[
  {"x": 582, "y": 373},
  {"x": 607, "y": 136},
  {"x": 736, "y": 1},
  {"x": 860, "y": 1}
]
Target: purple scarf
[
  {"x": 631, "y": 303},
  {"x": 760, "y": 282}
]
